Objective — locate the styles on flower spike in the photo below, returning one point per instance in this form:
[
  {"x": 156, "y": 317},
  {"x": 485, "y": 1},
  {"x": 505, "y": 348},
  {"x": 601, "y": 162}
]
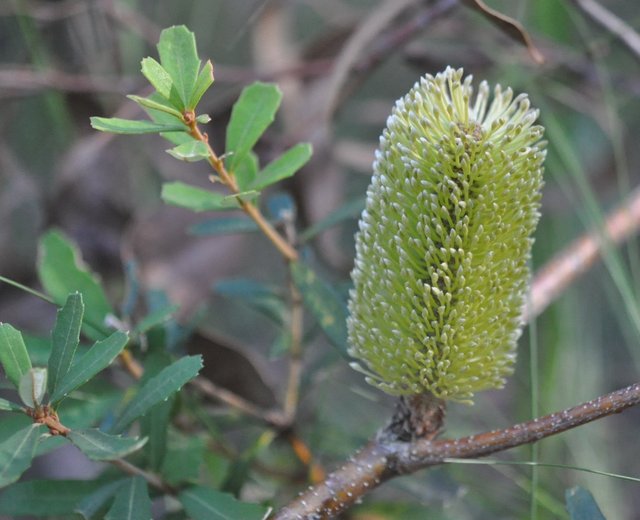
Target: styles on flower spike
[{"x": 441, "y": 270}]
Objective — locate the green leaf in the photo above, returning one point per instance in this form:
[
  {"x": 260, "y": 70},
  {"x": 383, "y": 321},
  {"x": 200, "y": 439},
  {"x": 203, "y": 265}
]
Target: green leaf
[
  {"x": 98, "y": 445},
  {"x": 179, "y": 57},
  {"x": 155, "y": 318},
  {"x": 246, "y": 170},
  {"x": 203, "y": 119},
  {"x": 158, "y": 77},
  {"x": 159, "y": 388},
  {"x": 254, "y": 111},
  {"x": 259, "y": 296},
  {"x": 117, "y": 125},
  {"x": 38, "y": 347},
  {"x": 132, "y": 501},
  {"x": 62, "y": 271},
  {"x": 156, "y": 105},
  {"x": 202, "y": 503},
  {"x": 324, "y": 303},
  {"x": 44, "y": 498},
  {"x": 65, "y": 339},
  {"x": 162, "y": 117},
  {"x": 283, "y": 167},
  {"x": 182, "y": 462},
  {"x": 581, "y": 504},
  {"x": 194, "y": 198},
  {"x": 16, "y": 453},
  {"x": 33, "y": 386},
  {"x": 8, "y": 406},
  {"x": 350, "y": 210},
  {"x": 191, "y": 151},
  {"x": 155, "y": 425},
  {"x": 224, "y": 226},
  {"x": 91, "y": 504},
  {"x": 204, "y": 81},
  {"x": 13, "y": 354},
  {"x": 99, "y": 356}
]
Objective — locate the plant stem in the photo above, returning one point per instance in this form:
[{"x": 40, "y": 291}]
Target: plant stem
[
  {"x": 379, "y": 461},
  {"x": 211, "y": 390},
  {"x": 152, "y": 479},
  {"x": 287, "y": 251},
  {"x": 296, "y": 315}
]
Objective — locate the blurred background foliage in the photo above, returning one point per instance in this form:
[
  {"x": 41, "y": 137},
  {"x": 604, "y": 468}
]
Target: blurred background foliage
[{"x": 341, "y": 64}]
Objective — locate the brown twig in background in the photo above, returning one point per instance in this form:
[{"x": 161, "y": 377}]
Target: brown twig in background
[
  {"x": 151, "y": 478},
  {"x": 213, "y": 391},
  {"x": 400, "y": 36},
  {"x": 348, "y": 61},
  {"x": 19, "y": 79},
  {"x": 554, "y": 277},
  {"x": 45, "y": 11},
  {"x": 132, "y": 19},
  {"x": 619, "y": 28},
  {"x": 381, "y": 461},
  {"x": 511, "y": 27}
]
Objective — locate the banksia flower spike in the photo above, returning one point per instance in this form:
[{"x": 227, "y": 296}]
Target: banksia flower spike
[{"x": 441, "y": 269}]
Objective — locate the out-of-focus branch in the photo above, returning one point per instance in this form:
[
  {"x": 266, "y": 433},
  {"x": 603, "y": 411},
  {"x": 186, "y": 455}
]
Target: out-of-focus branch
[
  {"x": 21, "y": 79},
  {"x": 554, "y": 277},
  {"x": 619, "y": 28},
  {"x": 349, "y": 60},
  {"x": 213, "y": 391},
  {"x": 379, "y": 461}
]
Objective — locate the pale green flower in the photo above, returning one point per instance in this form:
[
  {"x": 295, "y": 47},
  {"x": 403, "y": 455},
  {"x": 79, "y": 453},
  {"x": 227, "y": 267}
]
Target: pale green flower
[{"x": 441, "y": 269}]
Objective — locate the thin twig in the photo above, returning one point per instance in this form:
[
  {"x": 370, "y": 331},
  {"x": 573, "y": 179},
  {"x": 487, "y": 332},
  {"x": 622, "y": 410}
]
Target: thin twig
[
  {"x": 213, "y": 391},
  {"x": 563, "y": 269},
  {"x": 153, "y": 479},
  {"x": 287, "y": 251},
  {"x": 296, "y": 315},
  {"x": 379, "y": 461},
  {"x": 362, "y": 37},
  {"x": 131, "y": 364},
  {"x": 619, "y": 28},
  {"x": 21, "y": 80}
]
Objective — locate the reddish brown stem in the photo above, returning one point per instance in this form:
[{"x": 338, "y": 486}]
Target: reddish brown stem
[
  {"x": 379, "y": 461},
  {"x": 287, "y": 251}
]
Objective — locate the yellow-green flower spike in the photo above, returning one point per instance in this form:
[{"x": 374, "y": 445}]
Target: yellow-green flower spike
[{"x": 441, "y": 269}]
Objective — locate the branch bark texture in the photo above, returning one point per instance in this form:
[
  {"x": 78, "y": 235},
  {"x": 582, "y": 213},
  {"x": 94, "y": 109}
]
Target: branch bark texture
[{"x": 379, "y": 461}]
